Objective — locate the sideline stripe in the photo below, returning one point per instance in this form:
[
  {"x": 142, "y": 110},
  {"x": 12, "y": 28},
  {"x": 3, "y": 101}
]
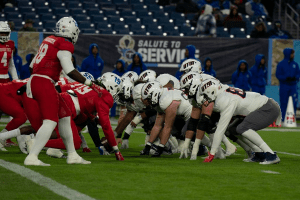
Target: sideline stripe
[
  {"x": 292, "y": 154},
  {"x": 41, "y": 180}
]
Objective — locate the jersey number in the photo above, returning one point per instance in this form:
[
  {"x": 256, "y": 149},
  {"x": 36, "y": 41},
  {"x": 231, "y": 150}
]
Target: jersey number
[
  {"x": 83, "y": 89},
  {"x": 236, "y": 91},
  {"x": 4, "y": 59},
  {"x": 42, "y": 52}
]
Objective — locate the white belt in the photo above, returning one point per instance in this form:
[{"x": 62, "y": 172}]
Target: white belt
[
  {"x": 76, "y": 104},
  {"x": 28, "y": 85},
  {"x": 3, "y": 76}
]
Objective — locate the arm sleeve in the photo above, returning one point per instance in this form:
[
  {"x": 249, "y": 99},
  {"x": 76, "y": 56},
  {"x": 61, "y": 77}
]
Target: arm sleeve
[
  {"x": 12, "y": 69},
  {"x": 32, "y": 62},
  {"x": 225, "y": 118},
  {"x": 65, "y": 58}
]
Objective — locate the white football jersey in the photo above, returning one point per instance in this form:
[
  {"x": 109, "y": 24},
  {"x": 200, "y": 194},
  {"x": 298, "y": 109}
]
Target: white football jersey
[
  {"x": 233, "y": 101},
  {"x": 165, "y": 78},
  {"x": 132, "y": 106},
  {"x": 168, "y": 96}
]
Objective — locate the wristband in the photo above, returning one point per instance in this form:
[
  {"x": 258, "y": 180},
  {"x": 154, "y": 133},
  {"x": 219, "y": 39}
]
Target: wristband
[{"x": 88, "y": 82}]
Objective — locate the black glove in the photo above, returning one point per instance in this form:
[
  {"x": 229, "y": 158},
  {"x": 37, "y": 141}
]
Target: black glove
[{"x": 145, "y": 151}]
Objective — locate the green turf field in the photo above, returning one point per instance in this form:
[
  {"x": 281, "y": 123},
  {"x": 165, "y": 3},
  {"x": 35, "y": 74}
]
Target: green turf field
[{"x": 167, "y": 177}]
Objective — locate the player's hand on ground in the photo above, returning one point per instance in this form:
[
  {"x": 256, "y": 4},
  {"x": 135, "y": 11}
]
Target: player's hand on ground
[
  {"x": 119, "y": 156},
  {"x": 184, "y": 153},
  {"x": 209, "y": 158}
]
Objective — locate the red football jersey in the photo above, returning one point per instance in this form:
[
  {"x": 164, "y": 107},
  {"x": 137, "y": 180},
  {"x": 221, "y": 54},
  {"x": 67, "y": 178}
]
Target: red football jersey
[
  {"x": 46, "y": 61},
  {"x": 6, "y": 51},
  {"x": 62, "y": 81},
  {"x": 12, "y": 87}
]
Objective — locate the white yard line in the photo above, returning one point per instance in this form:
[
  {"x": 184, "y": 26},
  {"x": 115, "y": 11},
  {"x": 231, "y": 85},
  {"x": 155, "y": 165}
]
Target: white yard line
[
  {"x": 291, "y": 154},
  {"x": 41, "y": 180}
]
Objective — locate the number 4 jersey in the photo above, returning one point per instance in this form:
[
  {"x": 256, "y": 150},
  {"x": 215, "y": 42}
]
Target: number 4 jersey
[
  {"x": 6, "y": 50},
  {"x": 46, "y": 61}
]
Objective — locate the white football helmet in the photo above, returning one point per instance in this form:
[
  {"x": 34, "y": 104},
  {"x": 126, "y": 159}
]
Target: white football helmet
[
  {"x": 190, "y": 83},
  {"x": 4, "y": 28},
  {"x": 132, "y": 75},
  {"x": 112, "y": 83},
  {"x": 126, "y": 90},
  {"x": 147, "y": 76},
  {"x": 87, "y": 76},
  {"x": 137, "y": 91},
  {"x": 191, "y": 65},
  {"x": 67, "y": 27},
  {"x": 152, "y": 91},
  {"x": 209, "y": 89}
]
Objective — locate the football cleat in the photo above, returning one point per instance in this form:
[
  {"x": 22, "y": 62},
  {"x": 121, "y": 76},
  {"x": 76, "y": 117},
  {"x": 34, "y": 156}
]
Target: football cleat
[
  {"x": 76, "y": 159},
  {"x": 2, "y": 147},
  {"x": 258, "y": 157},
  {"x": 220, "y": 153},
  {"x": 55, "y": 153},
  {"x": 209, "y": 158},
  {"x": 86, "y": 150},
  {"x": 125, "y": 144},
  {"x": 270, "y": 159},
  {"x": 119, "y": 156},
  {"x": 231, "y": 149},
  {"x": 22, "y": 142},
  {"x": 30, "y": 160}
]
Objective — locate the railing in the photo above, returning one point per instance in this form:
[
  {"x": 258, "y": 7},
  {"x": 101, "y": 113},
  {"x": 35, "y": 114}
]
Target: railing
[{"x": 289, "y": 14}]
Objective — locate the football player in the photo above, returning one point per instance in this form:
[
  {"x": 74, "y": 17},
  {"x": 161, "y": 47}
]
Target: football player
[
  {"x": 260, "y": 112},
  {"x": 7, "y": 47},
  {"x": 54, "y": 55}
]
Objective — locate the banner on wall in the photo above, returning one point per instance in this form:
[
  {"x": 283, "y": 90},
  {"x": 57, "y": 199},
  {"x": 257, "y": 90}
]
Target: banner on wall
[{"x": 163, "y": 54}]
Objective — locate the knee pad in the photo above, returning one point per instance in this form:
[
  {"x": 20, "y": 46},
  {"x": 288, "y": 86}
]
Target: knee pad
[
  {"x": 203, "y": 123},
  {"x": 192, "y": 125},
  {"x": 232, "y": 131}
]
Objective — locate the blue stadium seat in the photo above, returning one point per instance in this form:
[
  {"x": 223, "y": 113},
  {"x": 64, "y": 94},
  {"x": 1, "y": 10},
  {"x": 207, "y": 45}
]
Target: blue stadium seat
[
  {"x": 169, "y": 9},
  {"x": 237, "y": 32},
  {"x": 162, "y": 21},
  {"x": 93, "y": 11},
  {"x": 88, "y": 30},
  {"x": 56, "y": 4},
  {"x": 142, "y": 13},
  {"x": 168, "y": 27},
  {"x": 101, "y": 24},
  {"x": 46, "y": 17},
  {"x": 18, "y": 23},
  {"x": 153, "y": 7},
  {"x": 172, "y": 33},
  {"x": 40, "y": 4},
  {"x": 176, "y": 15},
  {"x": 125, "y": 13},
  {"x": 113, "y": 20},
  {"x": 32, "y": 16},
  {"x": 221, "y": 32},
  {"x": 106, "y": 32},
  {"x": 147, "y": 2},
  {"x": 110, "y": 13},
  {"x": 98, "y": 18},
  {"x": 81, "y": 17},
  {"x": 59, "y": 16},
  {"x": 139, "y": 7},
  {"x": 130, "y": 20},
  {"x": 140, "y": 32},
  {"x": 158, "y": 32},
  {"x": 76, "y": 11},
  {"x": 179, "y": 22},
  {"x": 42, "y": 10},
  {"x": 59, "y": 10},
  {"x": 84, "y": 24},
  {"x": 185, "y": 29},
  {"x": 88, "y": 5},
  {"x": 151, "y": 28},
  {"x": 49, "y": 24},
  {"x": 104, "y": 28},
  {"x": 190, "y": 16},
  {"x": 23, "y": 4},
  {"x": 124, "y": 7},
  {"x": 123, "y": 32},
  {"x": 26, "y": 9},
  {"x": 158, "y": 14},
  {"x": 13, "y": 16},
  {"x": 135, "y": 27},
  {"x": 120, "y": 2},
  {"x": 9, "y": 9},
  {"x": 118, "y": 27},
  {"x": 108, "y": 6},
  {"x": 135, "y": 2},
  {"x": 148, "y": 21},
  {"x": 72, "y": 5}
]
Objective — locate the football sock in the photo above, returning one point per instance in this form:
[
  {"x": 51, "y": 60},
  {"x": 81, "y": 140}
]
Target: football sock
[
  {"x": 10, "y": 134},
  {"x": 251, "y": 145},
  {"x": 206, "y": 141},
  {"x": 243, "y": 145},
  {"x": 196, "y": 146},
  {"x": 42, "y": 136},
  {"x": 65, "y": 131},
  {"x": 93, "y": 131},
  {"x": 225, "y": 141},
  {"x": 257, "y": 140},
  {"x": 83, "y": 144}
]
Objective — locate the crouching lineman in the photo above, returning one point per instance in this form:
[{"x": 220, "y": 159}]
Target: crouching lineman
[
  {"x": 169, "y": 104},
  {"x": 260, "y": 112}
]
